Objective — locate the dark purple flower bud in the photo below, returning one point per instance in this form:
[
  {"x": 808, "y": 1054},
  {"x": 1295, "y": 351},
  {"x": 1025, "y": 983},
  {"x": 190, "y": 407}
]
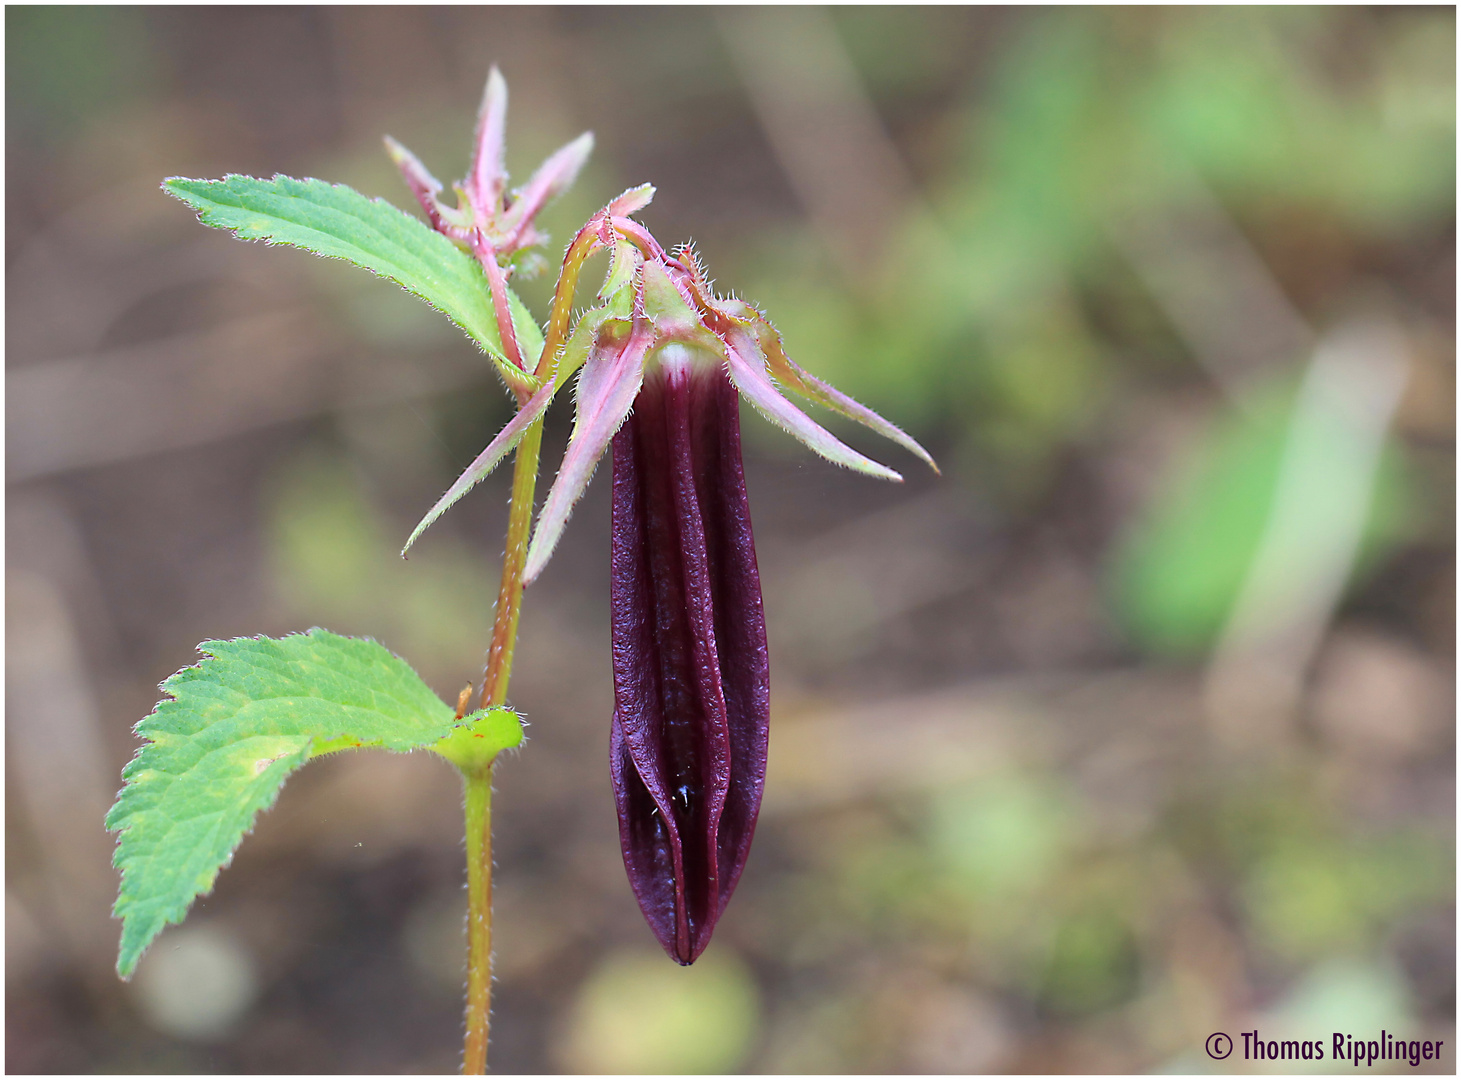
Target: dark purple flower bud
[{"x": 691, "y": 679}]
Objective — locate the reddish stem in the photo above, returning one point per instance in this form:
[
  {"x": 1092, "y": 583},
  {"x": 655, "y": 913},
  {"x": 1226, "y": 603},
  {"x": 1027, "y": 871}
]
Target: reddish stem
[{"x": 500, "y": 307}]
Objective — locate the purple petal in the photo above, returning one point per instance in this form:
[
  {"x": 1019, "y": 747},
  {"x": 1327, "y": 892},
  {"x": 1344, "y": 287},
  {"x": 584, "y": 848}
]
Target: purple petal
[
  {"x": 607, "y": 387},
  {"x": 488, "y": 459},
  {"x": 691, "y": 676}
]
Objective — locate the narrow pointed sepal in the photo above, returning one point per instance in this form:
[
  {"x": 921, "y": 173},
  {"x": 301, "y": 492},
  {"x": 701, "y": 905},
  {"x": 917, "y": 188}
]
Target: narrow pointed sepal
[
  {"x": 691, "y": 675},
  {"x": 674, "y": 318},
  {"x": 607, "y": 386},
  {"x": 488, "y": 176},
  {"x": 624, "y": 264},
  {"x": 425, "y": 187},
  {"x": 418, "y": 177},
  {"x": 631, "y": 201},
  {"x": 554, "y": 176},
  {"x": 748, "y": 371},
  {"x": 581, "y": 342},
  {"x": 488, "y": 459},
  {"x": 794, "y": 378}
]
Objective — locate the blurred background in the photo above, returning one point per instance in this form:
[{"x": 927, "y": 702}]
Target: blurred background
[{"x": 1136, "y": 725}]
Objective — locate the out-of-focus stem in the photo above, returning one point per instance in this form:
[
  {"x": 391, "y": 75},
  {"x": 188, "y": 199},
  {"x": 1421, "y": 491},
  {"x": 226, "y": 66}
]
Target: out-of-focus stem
[{"x": 479, "y": 919}]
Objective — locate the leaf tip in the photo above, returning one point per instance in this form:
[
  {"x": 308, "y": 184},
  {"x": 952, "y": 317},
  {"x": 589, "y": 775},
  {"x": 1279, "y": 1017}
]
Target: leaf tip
[{"x": 177, "y": 187}]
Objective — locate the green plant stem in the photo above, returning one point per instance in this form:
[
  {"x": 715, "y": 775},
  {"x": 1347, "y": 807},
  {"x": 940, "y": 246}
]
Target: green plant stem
[
  {"x": 510, "y": 594},
  {"x": 479, "y": 919},
  {"x": 477, "y": 776}
]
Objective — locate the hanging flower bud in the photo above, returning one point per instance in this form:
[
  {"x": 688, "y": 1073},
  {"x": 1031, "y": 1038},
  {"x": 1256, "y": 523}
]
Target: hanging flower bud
[
  {"x": 687, "y": 744},
  {"x": 691, "y": 675}
]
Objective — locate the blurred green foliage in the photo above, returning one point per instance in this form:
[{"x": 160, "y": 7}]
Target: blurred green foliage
[
  {"x": 65, "y": 66},
  {"x": 637, "y": 1013},
  {"x": 1002, "y": 839},
  {"x": 1017, "y": 882},
  {"x": 337, "y": 562},
  {"x": 982, "y": 319},
  {"x": 1345, "y": 994},
  {"x": 1178, "y": 572},
  {"x": 1093, "y": 964},
  {"x": 991, "y": 315},
  {"x": 1312, "y": 887}
]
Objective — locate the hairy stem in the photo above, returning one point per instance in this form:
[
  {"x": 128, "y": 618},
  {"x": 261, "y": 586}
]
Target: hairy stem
[
  {"x": 510, "y": 593},
  {"x": 506, "y": 332},
  {"x": 478, "y": 776},
  {"x": 584, "y": 244},
  {"x": 479, "y": 919}
]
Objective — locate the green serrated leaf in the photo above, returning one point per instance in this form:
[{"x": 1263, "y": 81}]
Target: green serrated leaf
[
  {"x": 221, "y": 745},
  {"x": 338, "y": 222}
]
